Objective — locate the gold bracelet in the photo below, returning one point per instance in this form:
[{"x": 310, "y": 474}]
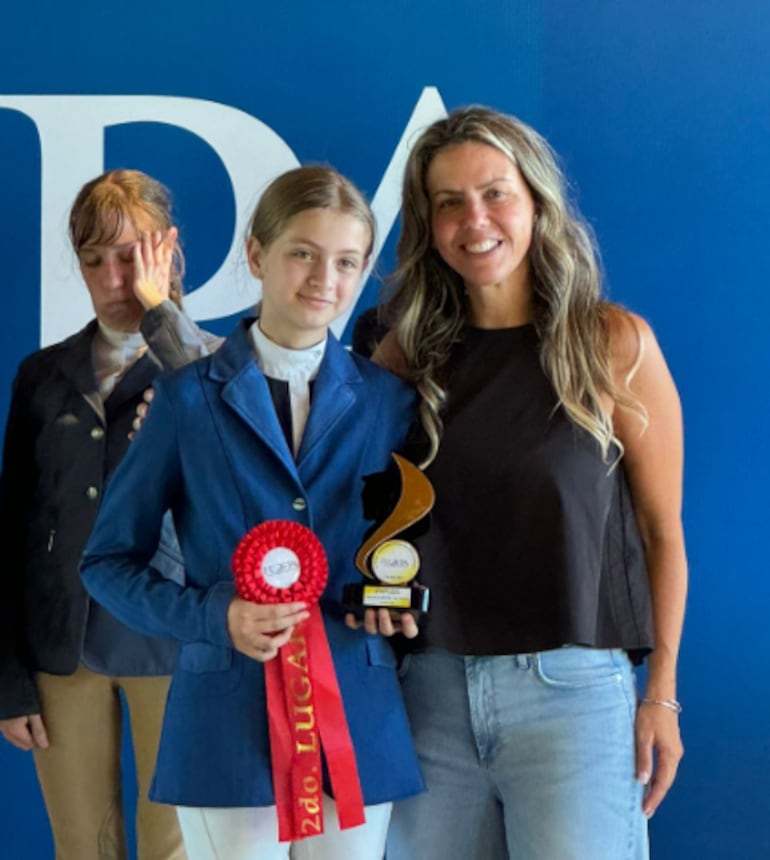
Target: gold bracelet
[{"x": 671, "y": 704}]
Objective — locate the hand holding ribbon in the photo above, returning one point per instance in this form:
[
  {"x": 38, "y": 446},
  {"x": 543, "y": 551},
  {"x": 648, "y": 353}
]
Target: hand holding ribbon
[{"x": 282, "y": 562}]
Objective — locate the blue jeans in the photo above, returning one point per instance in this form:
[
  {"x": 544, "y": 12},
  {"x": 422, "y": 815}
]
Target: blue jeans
[{"x": 527, "y": 757}]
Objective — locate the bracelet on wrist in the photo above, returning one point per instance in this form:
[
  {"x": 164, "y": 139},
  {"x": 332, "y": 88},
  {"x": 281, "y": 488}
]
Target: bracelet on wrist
[{"x": 671, "y": 704}]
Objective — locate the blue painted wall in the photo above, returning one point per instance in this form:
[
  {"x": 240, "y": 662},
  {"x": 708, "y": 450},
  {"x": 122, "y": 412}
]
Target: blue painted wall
[{"x": 661, "y": 111}]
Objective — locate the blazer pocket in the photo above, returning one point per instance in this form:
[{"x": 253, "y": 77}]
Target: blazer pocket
[
  {"x": 203, "y": 657},
  {"x": 379, "y": 652},
  {"x": 205, "y": 671},
  {"x": 67, "y": 419}
]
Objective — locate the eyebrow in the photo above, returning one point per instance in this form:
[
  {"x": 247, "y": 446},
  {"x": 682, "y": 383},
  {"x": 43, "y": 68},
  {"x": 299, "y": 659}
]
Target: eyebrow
[
  {"x": 481, "y": 186},
  {"x": 300, "y": 240}
]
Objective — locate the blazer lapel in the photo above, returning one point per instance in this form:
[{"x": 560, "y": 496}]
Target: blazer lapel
[
  {"x": 245, "y": 391},
  {"x": 139, "y": 376},
  {"x": 77, "y": 366},
  {"x": 333, "y": 395}
]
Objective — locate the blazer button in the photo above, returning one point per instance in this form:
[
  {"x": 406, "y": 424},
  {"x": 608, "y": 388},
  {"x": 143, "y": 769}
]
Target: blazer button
[
  {"x": 97, "y": 432},
  {"x": 299, "y": 504},
  {"x": 92, "y": 493}
]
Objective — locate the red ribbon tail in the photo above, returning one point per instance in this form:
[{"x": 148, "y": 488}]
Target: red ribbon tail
[
  {"x": 333, "y": 727},
  {"x": 281, "y": 748}
]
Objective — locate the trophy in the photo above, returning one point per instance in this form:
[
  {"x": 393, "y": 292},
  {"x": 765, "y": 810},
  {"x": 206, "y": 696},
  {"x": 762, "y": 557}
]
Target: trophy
[{"x": 386, "y": 558}]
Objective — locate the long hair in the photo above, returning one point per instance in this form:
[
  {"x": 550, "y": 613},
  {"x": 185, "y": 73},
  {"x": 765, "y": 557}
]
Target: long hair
[
  {"x": 105, "y": 204},
  {"x": 313, "y": 187},
  {"x": 428, "y": 306}
]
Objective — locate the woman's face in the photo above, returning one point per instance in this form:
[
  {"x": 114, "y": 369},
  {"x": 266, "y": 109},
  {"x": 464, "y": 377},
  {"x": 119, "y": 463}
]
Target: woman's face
[
  {"x": 481, "y": 215},
  {"x": 108, "y": 270}
]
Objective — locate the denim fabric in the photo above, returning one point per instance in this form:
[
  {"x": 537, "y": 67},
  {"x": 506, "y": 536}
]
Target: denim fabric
[{"x": 527, "y": 757}]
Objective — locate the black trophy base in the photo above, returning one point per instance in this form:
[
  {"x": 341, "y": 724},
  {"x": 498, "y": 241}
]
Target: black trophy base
[{"x": 397, "y": 598}]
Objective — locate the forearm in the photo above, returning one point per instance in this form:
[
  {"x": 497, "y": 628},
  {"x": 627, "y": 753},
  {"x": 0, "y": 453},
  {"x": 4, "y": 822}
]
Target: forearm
[
  {"x": 173, "y": 338},
  {"x": 147, "y": 602},
  {"x": 667, "y": 570}
]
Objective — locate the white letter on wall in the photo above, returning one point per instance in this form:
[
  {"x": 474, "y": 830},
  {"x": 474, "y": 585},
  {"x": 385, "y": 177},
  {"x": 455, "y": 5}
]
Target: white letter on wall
[
  {"x": 386, "y": 202},
  {"x": 71, "y": 130}
]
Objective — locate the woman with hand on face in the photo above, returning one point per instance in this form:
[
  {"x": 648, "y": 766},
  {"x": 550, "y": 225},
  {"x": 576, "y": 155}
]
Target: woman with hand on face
[
  {"x": 64, "y": 660},
  {"x": 555, "y": 556}
]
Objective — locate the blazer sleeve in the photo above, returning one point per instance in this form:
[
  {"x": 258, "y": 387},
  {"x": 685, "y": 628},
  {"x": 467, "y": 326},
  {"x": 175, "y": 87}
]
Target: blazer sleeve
[
  {"x": 173, "y": 338},
  {"x": 18, "y": 693},
  {"x": 116, "y": 567}
]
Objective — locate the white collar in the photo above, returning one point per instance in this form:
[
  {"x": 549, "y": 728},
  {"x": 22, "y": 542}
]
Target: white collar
[
  {"x": 280, "y": 362},
  {"x": 126, "y": 341}
]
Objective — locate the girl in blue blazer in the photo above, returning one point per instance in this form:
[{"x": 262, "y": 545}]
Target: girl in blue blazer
[{"x": 281, "y": 423}]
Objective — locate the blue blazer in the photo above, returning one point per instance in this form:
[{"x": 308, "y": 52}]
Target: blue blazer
[{"x": 212, "y": 451}]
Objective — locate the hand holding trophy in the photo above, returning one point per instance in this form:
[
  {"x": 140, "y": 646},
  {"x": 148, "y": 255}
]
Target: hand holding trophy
[{"x": 389, "y": 561}]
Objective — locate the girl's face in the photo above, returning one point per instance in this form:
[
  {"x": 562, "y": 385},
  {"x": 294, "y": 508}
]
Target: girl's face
[
  {"x": 481, "y": 215},
  {"x": 108, "y": 271},
  {"x": 309, "y": 274}
]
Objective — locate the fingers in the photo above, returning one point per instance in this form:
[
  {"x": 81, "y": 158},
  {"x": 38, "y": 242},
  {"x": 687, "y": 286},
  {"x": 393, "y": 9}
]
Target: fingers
[
  {"x": 17, "y": 732},
  {"x": 153, "y": 253},
  {"x": 139, "y": 269},
  {"x": 409, "y": 625},
  {"x": 20, "y": 739},
  {"x": 141, "y": 412},
  {"x": 659, "y": 751},
  {"x": 37, "y": 728},
  {"x": 665, "y": 773},
  {"x": 270, "y": 646},
  {"x": 172, "y": 234},
  {"x": 381, "y": 621},
  {"x": 274, "y": 618},
  {"x": 378, "y": 621},
  {"x": 661, "y": 783},
  {"x": 643, "y": 759},
  {"x": 260, "y": 630}
]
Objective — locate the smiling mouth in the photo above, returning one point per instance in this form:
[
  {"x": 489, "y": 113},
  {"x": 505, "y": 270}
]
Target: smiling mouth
[
  {"x": 482, "y": 247},
  {"x": 316, "y": 300}
]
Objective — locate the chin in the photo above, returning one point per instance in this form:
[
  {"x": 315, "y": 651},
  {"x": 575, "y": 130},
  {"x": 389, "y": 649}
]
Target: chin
[{"x": 129, "y": 324}]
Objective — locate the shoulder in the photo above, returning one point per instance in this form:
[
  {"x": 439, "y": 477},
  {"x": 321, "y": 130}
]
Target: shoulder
[
  {"x": 391, "y": 356},
  {"x": 42, "y": 362},
  {"x": 640, "y": 371},
  {"x": 630, "y": 340},
  {"x": 375, "y": 375}
]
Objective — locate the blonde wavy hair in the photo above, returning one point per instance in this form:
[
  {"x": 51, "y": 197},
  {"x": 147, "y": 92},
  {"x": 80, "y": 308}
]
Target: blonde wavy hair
[{"x": 428, "y": 309}]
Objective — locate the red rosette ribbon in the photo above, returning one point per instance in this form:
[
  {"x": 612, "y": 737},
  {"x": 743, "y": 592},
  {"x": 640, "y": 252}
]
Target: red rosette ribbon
[{"x": 280, "y": 561}]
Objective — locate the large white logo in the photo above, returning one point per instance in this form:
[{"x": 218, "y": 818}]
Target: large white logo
[{"x": 71, "y": 131}]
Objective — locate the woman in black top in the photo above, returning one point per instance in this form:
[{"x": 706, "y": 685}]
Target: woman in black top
[{"x": 555, "y": 555}]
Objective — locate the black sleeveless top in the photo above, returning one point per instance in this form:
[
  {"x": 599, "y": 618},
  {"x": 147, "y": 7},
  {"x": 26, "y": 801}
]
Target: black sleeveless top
[{"x": 533, "y": 543}]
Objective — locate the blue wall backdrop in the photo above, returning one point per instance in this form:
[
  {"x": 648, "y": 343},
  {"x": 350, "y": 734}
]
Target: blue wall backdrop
[{"x": 661, "y": 111}]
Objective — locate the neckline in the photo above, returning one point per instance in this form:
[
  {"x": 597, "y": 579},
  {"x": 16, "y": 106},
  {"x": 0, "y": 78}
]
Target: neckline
[{"x": 477, "y": 330}]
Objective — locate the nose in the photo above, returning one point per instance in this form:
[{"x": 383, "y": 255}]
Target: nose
[
  {"x": 114, "y": 273},
  {"x": 322, "y": 274},
  {"x": 474, "y": 213}
]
